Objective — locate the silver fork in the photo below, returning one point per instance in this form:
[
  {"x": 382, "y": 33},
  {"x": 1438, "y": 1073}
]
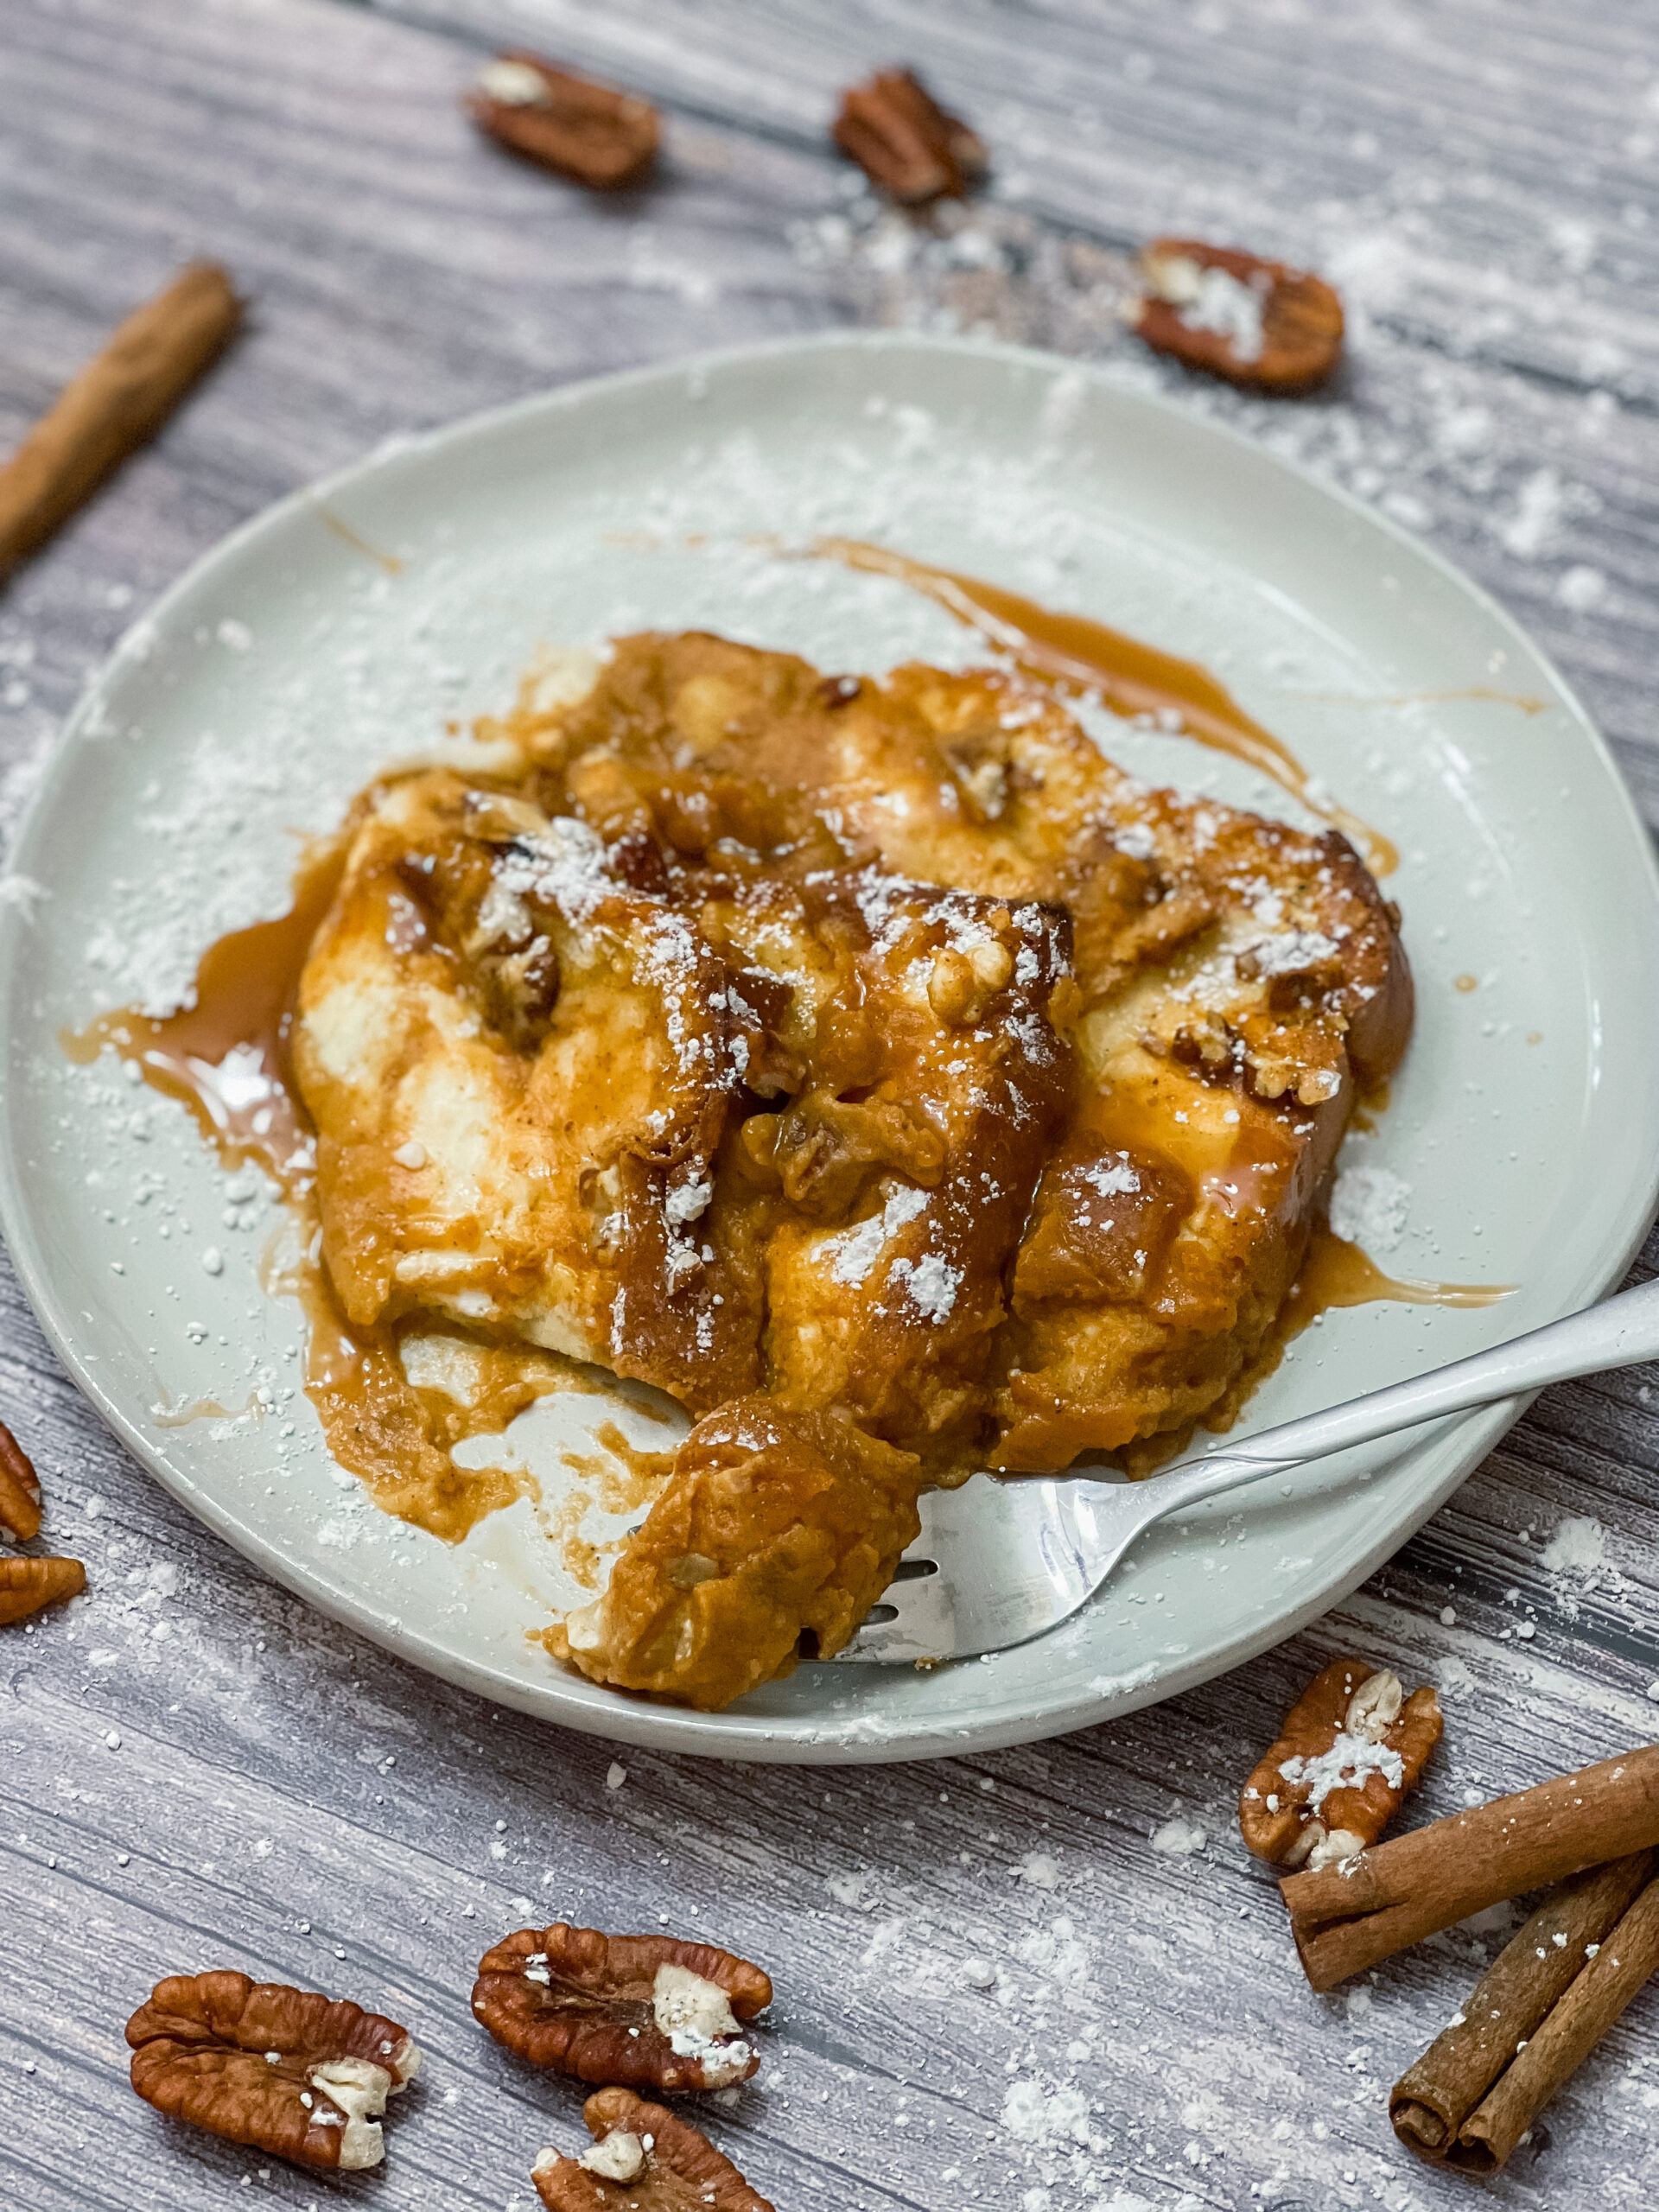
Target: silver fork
[{"x": 1004, "y": 1558}]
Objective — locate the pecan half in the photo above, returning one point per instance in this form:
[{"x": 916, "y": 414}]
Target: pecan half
[
  {"x": 26, "y": 1584},
  {"x": 904, "y": 140},
  {"x": 588, "y": 133},
  {"x": 644, "y": 2158},
  {"x": 283, "y": 2069},
  {"x": 646, "y": 2010},
  {"x": 1352, "y": 1745},
  {"x": 20, "y": 1489},
  {"x": 1254, "y": 322}
]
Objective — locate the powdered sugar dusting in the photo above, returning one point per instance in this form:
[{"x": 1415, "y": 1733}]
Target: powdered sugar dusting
[
  {"x": 932, "y": 1283},
  {"x": 1369, "y": 1207},
  {"x": 1212, "y": 299},
  {"x": 1112, "y": 1177},
  {"x": 855, "y": 1251},
  {"x": 1576, "y": 1548},
  {"x": 1178, "y": 1838},
  {"x": 1344, "y": 1766},
  {"x": 1292, "y": 952}
]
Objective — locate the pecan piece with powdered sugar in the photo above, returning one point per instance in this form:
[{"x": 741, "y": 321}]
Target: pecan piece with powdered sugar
[
  {"x": 1351, "y": 1746},
  {"x": 644, "y": 2158},
  {"x": 649, "y": 2011},
  {"x": 589, "y": 133},
  {"x": 1253, "y": 321},
  {"x": 285, "y": 2070}
]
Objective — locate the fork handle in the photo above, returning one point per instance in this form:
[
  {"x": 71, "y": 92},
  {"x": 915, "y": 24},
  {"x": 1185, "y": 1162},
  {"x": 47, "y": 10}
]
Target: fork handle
[{"x": 1620, "y": 1332}]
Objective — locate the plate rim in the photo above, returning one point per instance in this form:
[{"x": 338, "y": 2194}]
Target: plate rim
[{"x": 1442, "y": 1463}]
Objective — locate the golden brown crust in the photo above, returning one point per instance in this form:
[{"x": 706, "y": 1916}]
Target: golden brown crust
[
  {"x": 1102, "y": 1360},
  {"x": 773, "y": 1524},
  {"x": 520, "y": 1068},
  {"x": 906, "y": 1160}
]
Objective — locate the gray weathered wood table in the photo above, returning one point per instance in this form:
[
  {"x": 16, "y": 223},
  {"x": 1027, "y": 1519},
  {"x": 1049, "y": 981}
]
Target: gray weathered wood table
[{"x": 194, "y": 1769}]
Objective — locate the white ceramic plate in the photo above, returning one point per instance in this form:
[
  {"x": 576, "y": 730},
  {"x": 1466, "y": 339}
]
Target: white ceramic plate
[{"x": 292, "y": 663}]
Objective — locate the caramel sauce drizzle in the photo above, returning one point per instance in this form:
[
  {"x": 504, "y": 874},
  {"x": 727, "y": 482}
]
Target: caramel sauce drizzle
[
  {"x": 1527, "y": 702},
  {"x": 1075, "y": 653},
  {"x": 578, "y": 1555},
  {"x": 627, "y": 1479},
  {"x": 1370, "y": 1104},
  {"x": 1335, "y": 1273},
  {"x": 226, "y": 1058},
  {"x": 642, "y": 1473},
  {"x": 389, "y": 561},
  {"x": 398, "y": 1437}
]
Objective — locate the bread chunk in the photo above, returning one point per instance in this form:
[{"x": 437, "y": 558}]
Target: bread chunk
[
  {"x": 773, "y": 1524},
  {"x": 520, "y": 1067},
  {"x": 897, "y": 1176}
]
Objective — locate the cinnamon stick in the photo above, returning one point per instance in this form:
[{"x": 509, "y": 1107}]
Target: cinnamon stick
[
  {"x": 1628, "y": 1956},
  {"x": 114, "y": 406},
  {"x": 1347, "y": 1918},
  {"x": 1519, "y": 1991}
]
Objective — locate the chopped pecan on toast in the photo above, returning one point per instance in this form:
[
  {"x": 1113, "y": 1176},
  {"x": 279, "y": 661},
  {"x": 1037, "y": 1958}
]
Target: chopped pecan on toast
[
  {"x": 487, "y": 968},
  {"x": 896, "y": 1179},
  {"x": 1233, "y": 983},
  {"x": 869, "y": 1064}
]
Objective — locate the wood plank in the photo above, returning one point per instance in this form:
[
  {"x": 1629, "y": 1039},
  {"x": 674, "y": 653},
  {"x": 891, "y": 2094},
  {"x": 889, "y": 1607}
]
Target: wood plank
[{"x": 283, "y": 1792}]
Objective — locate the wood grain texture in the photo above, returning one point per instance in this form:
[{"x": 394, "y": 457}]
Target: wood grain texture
[
  {"x": 1478, "y": 178},
  {"x": 281, "y": 1796}
]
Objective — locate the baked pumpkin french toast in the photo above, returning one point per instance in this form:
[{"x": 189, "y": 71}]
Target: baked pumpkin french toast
[{"x": 870, "y": 1065}]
